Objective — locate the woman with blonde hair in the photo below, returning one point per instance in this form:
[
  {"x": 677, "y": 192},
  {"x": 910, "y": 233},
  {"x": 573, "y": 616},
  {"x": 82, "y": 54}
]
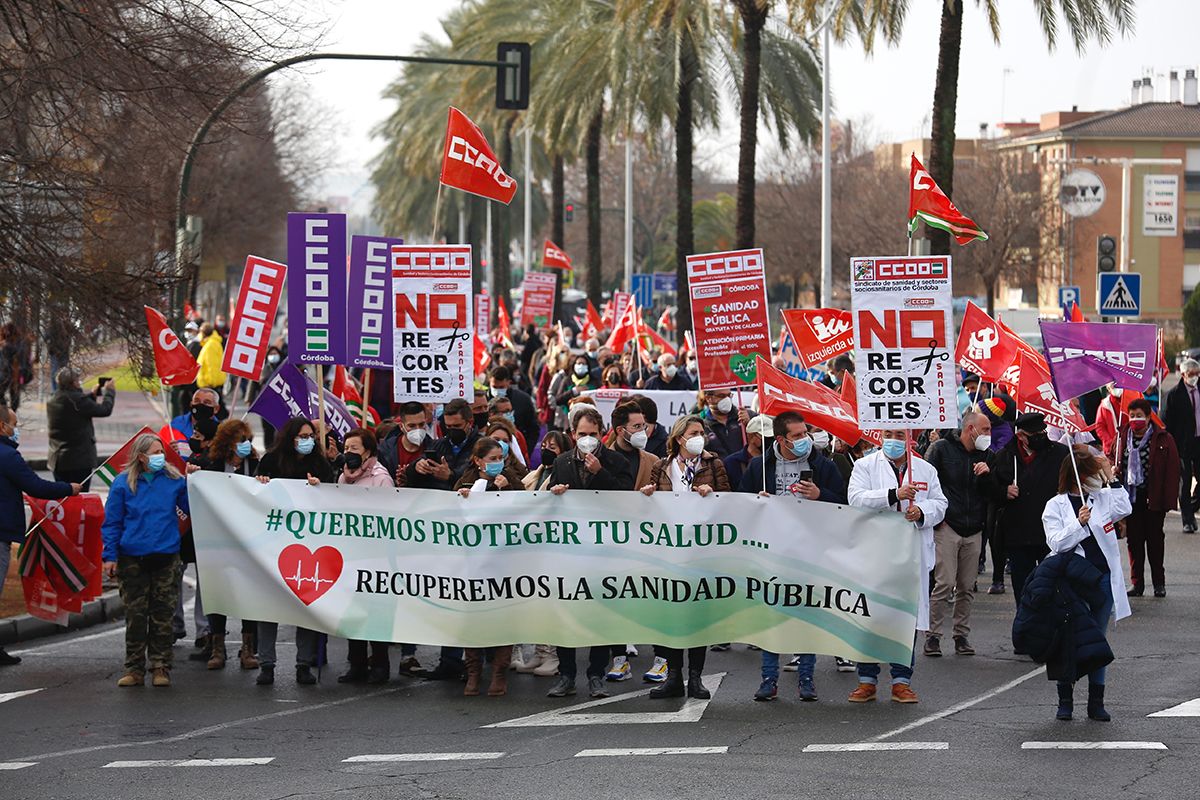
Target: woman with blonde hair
[{"x": 141, "y": 549}]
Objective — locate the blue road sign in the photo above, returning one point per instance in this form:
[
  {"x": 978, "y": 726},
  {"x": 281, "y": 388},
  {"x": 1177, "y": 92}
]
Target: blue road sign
[
  {"x": 1068, "y": 295},
  {"x": 665, "y": 282},
  {"x": 643, "y": 290},
  {"x": 1120, "y": 294}
]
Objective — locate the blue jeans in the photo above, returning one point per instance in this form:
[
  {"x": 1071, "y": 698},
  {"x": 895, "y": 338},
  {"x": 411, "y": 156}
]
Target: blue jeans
[
  {"x": 770, "y": 665},
  {"x": 1101, "y": 614},
  {"x": 869, "y": 673}
]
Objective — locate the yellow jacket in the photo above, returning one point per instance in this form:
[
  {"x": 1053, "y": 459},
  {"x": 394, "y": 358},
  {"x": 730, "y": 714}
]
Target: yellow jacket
[{"x": 212, "y": 353}]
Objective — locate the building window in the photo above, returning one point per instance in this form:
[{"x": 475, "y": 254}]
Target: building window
[
  {"x": 1191, "y": 230},
  {"x": 1191, "y": 170}
]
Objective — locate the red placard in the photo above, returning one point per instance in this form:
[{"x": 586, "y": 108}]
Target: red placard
[
  {"x": 537, "y": 299},
  {"x": 819, "y": 334},
  {"x": 729, "y": 315},
  {"x": 253, "y": 318},
  {"x": 483, "y": 316}
]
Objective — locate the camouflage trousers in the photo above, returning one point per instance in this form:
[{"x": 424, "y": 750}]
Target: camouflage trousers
[{"x": 149, "y": 588}]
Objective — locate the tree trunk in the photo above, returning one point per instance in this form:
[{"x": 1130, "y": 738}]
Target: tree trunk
[
  {"x": 557, "y": 227},
  {"x": 684, "y": 233},
  {"x": 592, "y": 147},
  {"x": 989, "y": 284},
  {"x": 754, "y": 17},
  {"x": 945, "y": 102}
]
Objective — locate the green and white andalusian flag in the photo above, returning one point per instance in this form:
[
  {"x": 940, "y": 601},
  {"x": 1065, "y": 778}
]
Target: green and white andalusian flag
[{"x": 928, "y": 203}]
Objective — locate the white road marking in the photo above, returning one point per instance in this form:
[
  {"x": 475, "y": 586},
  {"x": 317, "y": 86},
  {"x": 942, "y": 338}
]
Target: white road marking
[
  {"x": 872, "y": 747},
  {"x": 190, "y": 762},
  {"x": 1093, "y": 746},
  {"x": 1189, "y": 709},
  {"x": 692, "y": 711},
  {"x": 11, "y": 765},
  {"x": 957, "y": 707},
  {"x": 385, "y": 758},
  {"x": 6, "y": 696},
  {"x": 652, "y": 751}
]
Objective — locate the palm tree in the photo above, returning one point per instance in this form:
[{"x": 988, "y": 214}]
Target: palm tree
[{"x": 1085, "y": 20}]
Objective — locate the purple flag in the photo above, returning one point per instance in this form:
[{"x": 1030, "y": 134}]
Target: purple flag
[
  {"x": 291, "y": 393},
  {"x": 1087, "y": 355},
  {"x": 316, "y": 288},
  {"x": 369, "y": 320}
]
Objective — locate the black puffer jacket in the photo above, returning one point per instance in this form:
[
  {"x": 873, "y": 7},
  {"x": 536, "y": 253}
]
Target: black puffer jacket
[
  {"x": 1054, "y": 625},
  {"x": 967, "y": 509},
  {"x": 1019, "y": 521}
]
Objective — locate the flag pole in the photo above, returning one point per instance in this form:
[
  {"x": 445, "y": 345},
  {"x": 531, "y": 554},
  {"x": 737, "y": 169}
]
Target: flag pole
[
  {"x": 321, "y": 404},
  {"x": 366, "y": 394},
  {"x": 437, "y": 207}
]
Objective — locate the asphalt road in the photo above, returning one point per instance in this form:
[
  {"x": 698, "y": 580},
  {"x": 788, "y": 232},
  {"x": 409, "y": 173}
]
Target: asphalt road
[{"x": 984, "y": 727}]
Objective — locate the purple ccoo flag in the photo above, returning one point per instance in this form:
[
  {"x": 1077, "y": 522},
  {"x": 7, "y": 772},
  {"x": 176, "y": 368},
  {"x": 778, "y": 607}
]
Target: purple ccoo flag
[
  {"x": 1087, "y": 355},
  {"x": 291, "y": 393}
]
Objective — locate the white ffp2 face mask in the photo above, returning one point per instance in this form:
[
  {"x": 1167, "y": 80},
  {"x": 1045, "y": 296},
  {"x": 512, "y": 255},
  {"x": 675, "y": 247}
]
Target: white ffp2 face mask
[
  {"x": 694, "y": 445},
  {"x": 587, "y": 444}
]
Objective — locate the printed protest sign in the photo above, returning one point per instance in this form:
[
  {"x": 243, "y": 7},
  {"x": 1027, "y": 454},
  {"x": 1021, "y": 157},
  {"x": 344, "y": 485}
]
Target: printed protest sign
[
  {"x": 316, "y": 288},
  {"x": 729, "y": 316},
  {"x": 433, "y": 342},
  {"x": 537, "y": 299},
  {"x": 253, "y": 318},
  {"x": 903, "y": 324},
  {"x": 418, "y": 565},
  {"x": 369, "y": 302}
]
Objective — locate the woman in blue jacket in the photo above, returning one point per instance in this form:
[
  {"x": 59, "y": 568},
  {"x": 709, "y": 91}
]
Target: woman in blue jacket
[{"x": 141, "y": 548}]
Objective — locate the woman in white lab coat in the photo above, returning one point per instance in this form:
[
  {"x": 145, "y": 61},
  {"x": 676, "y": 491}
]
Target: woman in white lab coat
[
  {"x": 886, "y": 480},
  {"x": 1087, "y": 526}
]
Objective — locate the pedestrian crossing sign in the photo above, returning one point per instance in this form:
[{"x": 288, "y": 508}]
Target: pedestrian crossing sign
[{"x": 1120, "y": 294}]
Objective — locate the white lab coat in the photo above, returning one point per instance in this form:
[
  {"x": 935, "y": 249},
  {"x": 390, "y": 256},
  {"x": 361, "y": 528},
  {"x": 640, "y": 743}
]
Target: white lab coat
[
  {"x": 1064, "y": 533},
  {"x": 870, "y": 482}
]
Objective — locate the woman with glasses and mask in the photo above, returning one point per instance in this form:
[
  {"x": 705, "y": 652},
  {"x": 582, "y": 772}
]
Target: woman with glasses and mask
[
  {"x": 688, "y": 467},
  {"x": 296, "y": 455},
  {"x": 488, "y": 465},
  {"x": 231, "y": 451}
]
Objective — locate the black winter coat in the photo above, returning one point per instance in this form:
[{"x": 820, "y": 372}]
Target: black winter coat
[
  {"x": 69, "y": 413},
  {"x": 1054, "y": 625},
  {"x": 1180, "y": 418},
  {"x": 966, "y": 511},
  {"x": 1019, "y": 521}
]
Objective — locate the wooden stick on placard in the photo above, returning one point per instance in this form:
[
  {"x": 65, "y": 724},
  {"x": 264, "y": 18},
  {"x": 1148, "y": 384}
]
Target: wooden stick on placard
[
  {"x": 437, "y": 207},
  {"x": 321, "y": 404},
  {"x": 366, "y": 400}
]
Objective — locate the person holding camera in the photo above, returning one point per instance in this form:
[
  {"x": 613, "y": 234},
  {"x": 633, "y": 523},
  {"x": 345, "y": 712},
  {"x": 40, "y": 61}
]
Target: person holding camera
[{"x": 70, "y": 412}]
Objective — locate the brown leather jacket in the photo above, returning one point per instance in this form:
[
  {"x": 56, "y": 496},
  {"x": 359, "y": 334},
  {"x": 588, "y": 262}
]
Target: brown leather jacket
[{"x": 711, "y": 472}]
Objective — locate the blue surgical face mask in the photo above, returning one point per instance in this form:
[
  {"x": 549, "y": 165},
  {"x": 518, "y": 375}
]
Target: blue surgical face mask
[
  {"x": 802, "y": 447},
  {"x": 511, "y": 416},
  {"x": 15, "y": 436},
  {"x": 156, "y": 462},
  {"x": 493, "y": 468},
  {"x": 504, "y": 448},
  {"x": 893, "y": 448},
  {"x": 305, "y": 446},
  {"x": 498, "y": 391},
  {"x": 244, "y": 449}
]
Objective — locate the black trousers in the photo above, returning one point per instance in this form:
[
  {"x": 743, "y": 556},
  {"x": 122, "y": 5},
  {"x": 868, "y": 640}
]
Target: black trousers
[
  {"x": 597, "y": 661},
  {"x": 1025, "y": 559},
  {"x": 1144, "y": 537},
  {"x": 1189, "y": 470},
  {"x": 674, "y": 657},
  {"x": 358, "y": 655},
  {"x": 219, "y": 624}
]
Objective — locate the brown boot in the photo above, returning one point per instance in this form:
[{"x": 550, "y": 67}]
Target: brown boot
[
  {"x": 217, "y": 660},
  {"x": 500, "y": 662},
  {"x": 474, "y": 671},
  {"x": 246, "y": 654},
  {"x": 160, "y": 677}
]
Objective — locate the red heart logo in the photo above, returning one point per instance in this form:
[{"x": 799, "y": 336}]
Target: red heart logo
[{"x": 309, "y": 575}]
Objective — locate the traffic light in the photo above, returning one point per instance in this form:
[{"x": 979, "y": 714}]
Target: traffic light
[
  {"x": 1106, "y": 253},
  {"x": 512, "y": 85},
  {"x": 569, "y": 212}
]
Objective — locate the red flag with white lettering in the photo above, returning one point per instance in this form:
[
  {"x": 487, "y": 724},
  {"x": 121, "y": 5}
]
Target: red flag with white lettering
[
  {"x": 555, "y": 257},
  {"x": 927, "y": 202},
  {"x": 779, "y": 392},
  {"x": 820, "y": 334},
  {"x": 470, "y": 164},
  {"x": 172, "y": 361},
  {"x": 984, "y": 346},
  {"x": 1036, "y": 394}
]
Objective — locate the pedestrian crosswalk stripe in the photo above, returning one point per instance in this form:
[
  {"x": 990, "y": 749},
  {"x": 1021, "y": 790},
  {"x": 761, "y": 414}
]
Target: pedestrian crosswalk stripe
[
  {"x": 6, "y": 696},
  {"x": 1093, "y": 746},
  {"x": 189, "y": 762},
  {"x": 384, "y": 758},
  {"x": 652, "y": 751},
  {"x": 1191, "y": 708},
  {"x": 871, "y": 747},
  {"x": 11, "y": 765}
]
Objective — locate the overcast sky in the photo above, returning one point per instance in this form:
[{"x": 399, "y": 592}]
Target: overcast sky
[{"x": 893, "y": 88}]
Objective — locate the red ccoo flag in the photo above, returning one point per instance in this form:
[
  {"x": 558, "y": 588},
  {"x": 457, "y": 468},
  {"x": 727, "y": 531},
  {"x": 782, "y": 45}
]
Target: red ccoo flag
[
  {"x": 172, "y": 361},
  {"x": 929, "y": 203},
  {"x": 625, "y": 331},
  {"x": 505, "y": 333},
  {"x": 470, "y": 164},
  {"x": 554, "y": 257}
]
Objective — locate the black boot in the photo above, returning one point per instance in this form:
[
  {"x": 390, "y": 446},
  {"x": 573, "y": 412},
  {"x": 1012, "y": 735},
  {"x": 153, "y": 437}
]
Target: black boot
[
  {"x": 1096, "y": 703},
  {"x": 695, "y": 687},
  {"x": 304, "y": 675},
  {"x": 266, "y": 676},
  {"x": 671, "y": 687},
  {"x": 1066, "y": 701},
  {"x": 356, "y": 674}
]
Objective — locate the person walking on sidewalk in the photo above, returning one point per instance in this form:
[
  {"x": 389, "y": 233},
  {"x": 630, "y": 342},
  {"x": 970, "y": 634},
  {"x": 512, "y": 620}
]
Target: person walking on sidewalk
[
  {"x": 17, "y": 478},
  {"x": 960, "y": 460},
  {"x": 1150, "y": 464},
  {"x": 69, "y": 413},
  {"x": 141, "y": 549}
]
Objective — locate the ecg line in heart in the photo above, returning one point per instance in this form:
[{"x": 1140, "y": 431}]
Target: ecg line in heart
[{"x": 316, "y": 580}]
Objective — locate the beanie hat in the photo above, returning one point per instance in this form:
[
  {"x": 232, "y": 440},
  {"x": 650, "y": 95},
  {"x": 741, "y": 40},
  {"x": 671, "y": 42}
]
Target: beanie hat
[{"x": 994, "y": 408}]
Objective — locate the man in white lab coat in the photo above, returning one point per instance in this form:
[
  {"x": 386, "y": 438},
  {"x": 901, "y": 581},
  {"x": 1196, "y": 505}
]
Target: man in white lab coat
[{"x": 893, "y": 479}]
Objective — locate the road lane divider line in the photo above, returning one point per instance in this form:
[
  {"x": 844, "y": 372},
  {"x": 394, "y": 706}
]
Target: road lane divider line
[
  {"x": 390, "y": 758},
  {"x": 873, "y": 747},
  {"x": 12, "y": 765},
  {"x": 189, "y": 762},
  {"x": 1093, "y": 746},
  {"x": 652, "y": 751}
]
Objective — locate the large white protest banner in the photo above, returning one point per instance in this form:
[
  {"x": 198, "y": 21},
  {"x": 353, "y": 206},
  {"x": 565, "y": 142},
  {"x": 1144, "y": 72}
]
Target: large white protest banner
[
  {"x": 432, "y": 343},
  {"x": 416, "y": 565},
  {"x": 904, "y": 335}
]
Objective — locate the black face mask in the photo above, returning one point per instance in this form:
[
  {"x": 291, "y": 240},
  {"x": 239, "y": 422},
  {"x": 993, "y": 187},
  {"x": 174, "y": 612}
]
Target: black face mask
[
  {"x": 353, "y": 461},
  {"x": 548, "y": 457},
  {"x": 1038, "y": 442},
  {"x": 456, "y": 436},
  {"x": 202, "y": 412},
  {"x": 196, "y": 444},
  {"x": 481, "y": 420}
]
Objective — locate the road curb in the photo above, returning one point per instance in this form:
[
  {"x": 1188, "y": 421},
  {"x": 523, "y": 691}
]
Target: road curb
[{"x": 105, "y": 608}]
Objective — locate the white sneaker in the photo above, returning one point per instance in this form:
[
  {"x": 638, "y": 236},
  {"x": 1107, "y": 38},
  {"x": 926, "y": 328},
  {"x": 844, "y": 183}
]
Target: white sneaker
[
  {"x": 518, "y": 657},
  {"x": 620, "y": 671},
  {"x": 658, "y": 672},
  {"x": 843, "y": 665},
  {"x": 548, "y": 667},
  {"x": 630, "y": 651},
  {"x": 793, "y": 665}
]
